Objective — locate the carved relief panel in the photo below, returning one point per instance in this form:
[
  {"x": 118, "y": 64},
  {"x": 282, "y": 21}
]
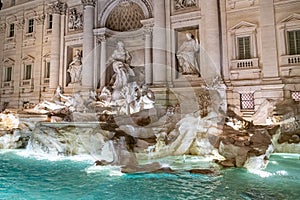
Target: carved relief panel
[
  {"x": 75, "y": 19},
  {"x": 184, "y": 4}
]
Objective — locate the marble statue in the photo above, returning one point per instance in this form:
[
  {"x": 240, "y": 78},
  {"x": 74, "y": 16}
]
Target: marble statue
[
  {"x": 50, "y": 105},
  {"x": 147, "y": 98},
  {"x": 57, "y": 95},
  {"x": 105, "y": 96},
  {"x": 120, "y": 61},
  {"x": 120, "y": 54},
  {"x": 121, "y": 76},
  {"x": 187, "y": 57},
  {"x": 75, "y": 67}
]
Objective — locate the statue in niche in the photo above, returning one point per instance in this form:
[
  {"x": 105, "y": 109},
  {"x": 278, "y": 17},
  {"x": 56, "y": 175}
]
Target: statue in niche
[
  {"x": 122, "y": 55},
  {"x": 187, "y": 57},
  {"x": 75, "y": 67},
  {"x": 179, "y": 4},
  {"x": 120, "y": 61},
  {"x": 75, "y": 20}
]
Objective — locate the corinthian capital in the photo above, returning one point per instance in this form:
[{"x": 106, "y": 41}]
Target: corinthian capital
[
  {"x": 58, "y": 7},
  {"x": 88, "y": 2},
  {"x": 101, "y": 38}
]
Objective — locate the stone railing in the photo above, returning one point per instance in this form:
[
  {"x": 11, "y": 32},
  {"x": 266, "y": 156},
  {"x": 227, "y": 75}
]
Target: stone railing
[
  {"x": 29, "y": 35},
  {"x": 10, "y": 40},
  {"x": 245, "y": 64},
  {"x": 26, "y": 83},
  {"x": 290, "y": 60},
  {"x": 7, "y": 84}
]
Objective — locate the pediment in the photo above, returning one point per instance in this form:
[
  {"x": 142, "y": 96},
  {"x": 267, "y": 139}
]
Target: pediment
[
  {"x": 8, "y": 61},
  {"x": 28, "y": 58},
  {"x": 243, "y": 25},
  {"x": 47, "y": 55},
  {"x": 291, "y": 18},
  {"x": 11, "y": 19}
]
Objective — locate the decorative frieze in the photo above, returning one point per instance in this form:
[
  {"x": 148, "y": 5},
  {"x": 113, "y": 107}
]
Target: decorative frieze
[
  {"x": 2, "y": 28},
  {"x": 20, "y": 23},
  {"x": 183, "y": 4},
  {"x": 75, "y": 20},
  {"x": 40, "y": 19},
  {"x": 58, "y": 7},
  {"x": 88, "y": 2}
]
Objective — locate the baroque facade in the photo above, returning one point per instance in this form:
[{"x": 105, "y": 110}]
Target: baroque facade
[{"x": 253, "y": 45}]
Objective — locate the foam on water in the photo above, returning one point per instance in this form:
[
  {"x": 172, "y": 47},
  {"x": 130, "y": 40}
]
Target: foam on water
[
  {"x": 51, "y": 157},
  {"x": 105, "y": 170}
]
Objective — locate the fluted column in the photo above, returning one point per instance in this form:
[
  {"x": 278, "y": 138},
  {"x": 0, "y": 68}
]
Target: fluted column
[
  {"x": 159, "y": 43},
  {"x": 148, "y": 63},
  {"x": 88, "y": 43},
  {"x": 56, "y": 9},
  {"x": 102, "y": 40}
]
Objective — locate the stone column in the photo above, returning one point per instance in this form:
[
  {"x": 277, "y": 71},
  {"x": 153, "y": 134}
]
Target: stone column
[
  {"x": 159, "y": 43},
  {"x": 102, "y": 40},
  {"x": 148, "y": 63},
  {"x": 268, "y": 36},
  {"x": 88, "y": 44},
  {"x": 211, "y": 26},
  {"x": 2, "y": 35},
  {"x": 56, "y": 9},
  {"x": 37, "y": 74}
]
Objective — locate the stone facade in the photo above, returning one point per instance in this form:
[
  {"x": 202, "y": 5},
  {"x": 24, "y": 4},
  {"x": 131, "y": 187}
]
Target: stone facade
[{"x": 252, "y": 44}]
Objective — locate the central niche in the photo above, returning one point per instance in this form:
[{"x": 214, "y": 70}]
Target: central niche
[{"x": 126, "y": 16}]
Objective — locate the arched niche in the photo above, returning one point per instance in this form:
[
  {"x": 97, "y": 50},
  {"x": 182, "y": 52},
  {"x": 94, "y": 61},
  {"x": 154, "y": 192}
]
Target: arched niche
[{"x": 144, "y": 5}]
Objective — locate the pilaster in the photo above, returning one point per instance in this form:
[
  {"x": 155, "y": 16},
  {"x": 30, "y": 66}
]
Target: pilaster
[
  {"x": 102, "y": 41},
  {"x": 37, "y": 74},
  {"x": 268, "y": 36},
  {"x": 159, "y": 43},
  {"x": 211, "y": 41},
  {"x": 148, "y": 31}
]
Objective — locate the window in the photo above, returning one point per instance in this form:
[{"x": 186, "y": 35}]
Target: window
[
  {"x": 8, "y": 73},
  {"x": 11, "y": 30},
  {"x": 244, "y": 48},
  {"x": 247, "y": 101},
  {"x": 296, "y": 95},
  {"x": 50, "y": 21},
  {"x": 27, "y": 74},
  {"x": 30, "y": 25},
  {"x": 47, "y": 70},
  {"x": 294, "y": 42},
  {"x": 244, "y": 44}
]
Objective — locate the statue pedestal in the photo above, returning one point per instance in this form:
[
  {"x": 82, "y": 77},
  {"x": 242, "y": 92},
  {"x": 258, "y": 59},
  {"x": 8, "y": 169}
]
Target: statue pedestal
[{"x": 189, "y": 81}]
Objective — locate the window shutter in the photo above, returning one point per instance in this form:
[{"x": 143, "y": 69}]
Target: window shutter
[{"x": 244, "y": 47}]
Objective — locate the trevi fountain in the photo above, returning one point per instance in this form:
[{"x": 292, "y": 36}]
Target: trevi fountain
[{"x": 118, "y": 142}]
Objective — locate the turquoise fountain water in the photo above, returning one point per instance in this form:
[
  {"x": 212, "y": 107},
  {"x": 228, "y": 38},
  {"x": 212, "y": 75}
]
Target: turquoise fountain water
[{"x": 26, "y": 177}]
